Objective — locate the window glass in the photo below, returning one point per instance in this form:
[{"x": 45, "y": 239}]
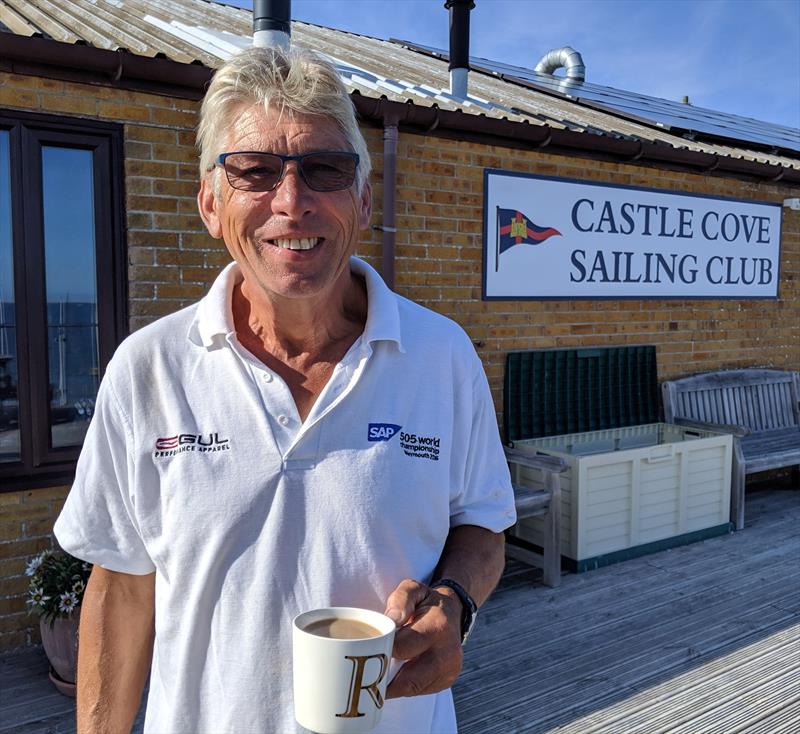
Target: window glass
[
  {"x": 69, "y": 243},
  {"x": 9, "y": 426}
]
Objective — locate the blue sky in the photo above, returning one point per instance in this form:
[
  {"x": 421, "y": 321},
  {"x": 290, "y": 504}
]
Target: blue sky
[{"x": 737, "y": 56}]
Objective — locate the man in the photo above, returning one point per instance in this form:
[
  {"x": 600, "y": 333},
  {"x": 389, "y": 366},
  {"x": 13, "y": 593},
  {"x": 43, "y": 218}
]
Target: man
[{"x": 302, "y": 437}]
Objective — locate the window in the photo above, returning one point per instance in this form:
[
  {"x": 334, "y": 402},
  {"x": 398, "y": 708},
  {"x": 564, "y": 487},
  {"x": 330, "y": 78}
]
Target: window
[{"x": 62, "y": 287}]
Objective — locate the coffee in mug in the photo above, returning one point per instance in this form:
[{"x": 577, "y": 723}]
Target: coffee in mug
[
  {"x": 341, "y": 658},
  {"x": 342, "y": 629}
]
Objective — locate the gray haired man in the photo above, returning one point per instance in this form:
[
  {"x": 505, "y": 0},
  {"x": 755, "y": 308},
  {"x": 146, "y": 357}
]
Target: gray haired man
[{"x": 300, "y": 438}]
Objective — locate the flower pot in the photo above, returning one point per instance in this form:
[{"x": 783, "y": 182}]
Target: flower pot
[{"x": 60, "y": 644}]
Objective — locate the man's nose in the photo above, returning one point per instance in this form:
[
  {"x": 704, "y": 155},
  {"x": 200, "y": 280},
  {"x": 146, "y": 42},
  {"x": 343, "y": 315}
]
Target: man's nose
[{"x": 293, "y": 197}]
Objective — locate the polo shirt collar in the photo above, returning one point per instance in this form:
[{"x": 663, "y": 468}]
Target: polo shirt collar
[
  {"x": 383, "y": 316},
  {"x": 214, "y": 315}
]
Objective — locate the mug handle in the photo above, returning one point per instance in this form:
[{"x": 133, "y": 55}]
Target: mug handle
[{"x": 394, "y": 668}]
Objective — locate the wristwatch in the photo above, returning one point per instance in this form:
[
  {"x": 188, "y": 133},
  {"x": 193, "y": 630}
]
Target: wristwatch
[{"x": 470, "y": 608}]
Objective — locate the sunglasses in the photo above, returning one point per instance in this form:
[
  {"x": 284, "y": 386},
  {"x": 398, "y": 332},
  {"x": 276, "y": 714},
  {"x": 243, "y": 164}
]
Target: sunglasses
[{"x": 322, "y": 171}]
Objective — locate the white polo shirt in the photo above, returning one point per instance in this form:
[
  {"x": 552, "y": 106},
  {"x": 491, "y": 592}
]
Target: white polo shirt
[{"x": 197, "y": 467}]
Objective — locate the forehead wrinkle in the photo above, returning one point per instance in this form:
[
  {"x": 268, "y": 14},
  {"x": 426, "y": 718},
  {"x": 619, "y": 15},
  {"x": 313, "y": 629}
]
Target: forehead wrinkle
[{"x": 291, "y": 133}]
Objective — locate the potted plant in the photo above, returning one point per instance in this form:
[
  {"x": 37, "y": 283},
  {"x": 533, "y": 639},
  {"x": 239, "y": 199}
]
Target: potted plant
[{"x": 58, "y": 581}]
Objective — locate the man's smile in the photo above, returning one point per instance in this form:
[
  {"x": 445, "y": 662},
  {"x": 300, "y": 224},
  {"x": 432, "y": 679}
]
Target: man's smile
[{"x": 294, "y": 243}]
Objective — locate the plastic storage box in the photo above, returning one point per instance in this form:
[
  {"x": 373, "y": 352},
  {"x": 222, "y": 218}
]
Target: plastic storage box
[{"x": 634, "y": 490}]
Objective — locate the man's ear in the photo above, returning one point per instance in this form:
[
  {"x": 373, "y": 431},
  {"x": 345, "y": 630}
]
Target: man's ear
[
  {"x": 208, "y": 205},
  {"x": 365, "y": 206}
]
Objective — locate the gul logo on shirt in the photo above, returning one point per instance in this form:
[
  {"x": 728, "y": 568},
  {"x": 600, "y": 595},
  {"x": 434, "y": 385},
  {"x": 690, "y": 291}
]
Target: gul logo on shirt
[
  {"x": 190, "y": 442},
  {"x": 382, "y": 431}
]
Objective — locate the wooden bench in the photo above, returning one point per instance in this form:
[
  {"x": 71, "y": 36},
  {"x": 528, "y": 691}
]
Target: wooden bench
[
  {"x": 544, "y": 502},
  {"x": 759, "y": 407}
]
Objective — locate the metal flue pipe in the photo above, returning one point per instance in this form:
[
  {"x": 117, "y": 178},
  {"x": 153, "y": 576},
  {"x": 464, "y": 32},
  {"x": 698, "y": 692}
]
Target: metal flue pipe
[
  {"x": 272, "y": 23},
  {"x": 459, "y": 45},
  {"x": 567, "y": 58}
]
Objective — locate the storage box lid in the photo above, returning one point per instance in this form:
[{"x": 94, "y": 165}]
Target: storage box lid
[{"x": 549, "y": 392}]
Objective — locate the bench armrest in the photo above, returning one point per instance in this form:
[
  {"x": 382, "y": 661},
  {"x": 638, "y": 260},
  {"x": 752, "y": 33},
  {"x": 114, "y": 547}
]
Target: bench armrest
[
  {"x": 546, "y": 502},
  {"x": 739, "y": 431},
  {"x": 535, "y": 461}
]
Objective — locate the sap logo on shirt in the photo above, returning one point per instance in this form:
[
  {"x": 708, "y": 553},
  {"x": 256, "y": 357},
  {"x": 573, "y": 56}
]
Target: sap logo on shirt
[{"x": 382, "y": 431}]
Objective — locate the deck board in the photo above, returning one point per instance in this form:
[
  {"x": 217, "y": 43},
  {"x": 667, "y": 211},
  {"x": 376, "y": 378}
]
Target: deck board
[
  {"x": 702, "y": 639},
  {"x": 698, "y": 639}
]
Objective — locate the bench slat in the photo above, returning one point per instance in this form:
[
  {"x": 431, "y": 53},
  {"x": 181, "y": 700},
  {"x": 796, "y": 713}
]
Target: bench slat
[
  {"x": 769, "y": 441},
  {"x": 771, "y": 450},
  {"x": 530, "y": 502},
  {"x": 758, "y": 407}
]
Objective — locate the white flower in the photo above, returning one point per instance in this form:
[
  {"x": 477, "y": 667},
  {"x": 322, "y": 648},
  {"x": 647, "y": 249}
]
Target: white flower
[
  {"x": 78, "y": 587},
  {"x": 67, "y": 602},
  {"x": 33, "y": 565},
  {"x": 37, "y": 597}
]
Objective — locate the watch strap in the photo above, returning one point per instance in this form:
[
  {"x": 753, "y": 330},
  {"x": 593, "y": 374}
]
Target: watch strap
[{"x": 470, "y": 608}]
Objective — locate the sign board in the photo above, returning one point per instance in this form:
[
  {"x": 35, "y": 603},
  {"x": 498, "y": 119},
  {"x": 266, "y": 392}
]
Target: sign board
[{"x": 558, "y": 238}]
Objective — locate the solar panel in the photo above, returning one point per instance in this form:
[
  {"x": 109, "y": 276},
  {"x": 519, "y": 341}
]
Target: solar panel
[{"x": 676, "y": 117}]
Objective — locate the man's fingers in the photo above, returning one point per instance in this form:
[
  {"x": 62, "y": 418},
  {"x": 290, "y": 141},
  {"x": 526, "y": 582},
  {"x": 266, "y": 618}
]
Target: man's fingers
[
  {"x": 404, "y": 599},
  {"x": 428, "y": 637},
  {"x": 433, "y": 624},
  {"x": 410, "y": 641},
  {"x": 429, "y": 673}
]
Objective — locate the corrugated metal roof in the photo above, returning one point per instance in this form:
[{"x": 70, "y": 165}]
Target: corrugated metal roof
[
  {"x": 682, "y": 118},
  {"x": 209, "y": 32}
]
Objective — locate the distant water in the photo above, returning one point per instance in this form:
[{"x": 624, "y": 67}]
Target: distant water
[{"x": 71, "y": 349}]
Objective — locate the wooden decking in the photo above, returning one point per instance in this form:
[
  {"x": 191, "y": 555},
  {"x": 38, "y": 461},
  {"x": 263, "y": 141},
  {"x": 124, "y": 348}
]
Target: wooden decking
[{"x": 703, "y": 639}]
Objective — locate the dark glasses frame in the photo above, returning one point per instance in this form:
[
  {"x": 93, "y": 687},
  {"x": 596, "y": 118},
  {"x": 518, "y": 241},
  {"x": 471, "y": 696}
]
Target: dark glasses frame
[{"x": 236, "y": 181}]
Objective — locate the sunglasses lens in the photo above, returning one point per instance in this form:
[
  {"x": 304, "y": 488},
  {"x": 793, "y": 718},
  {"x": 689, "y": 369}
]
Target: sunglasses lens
[
  {"x": 262, "y": 171},
  {"x": 253, "y": 171},
  {"x": 329, "y": 171}
]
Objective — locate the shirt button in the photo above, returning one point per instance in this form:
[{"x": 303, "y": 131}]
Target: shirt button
[
  {"x": 267, "y": 377},
  {"x": 283, "y": 420}
]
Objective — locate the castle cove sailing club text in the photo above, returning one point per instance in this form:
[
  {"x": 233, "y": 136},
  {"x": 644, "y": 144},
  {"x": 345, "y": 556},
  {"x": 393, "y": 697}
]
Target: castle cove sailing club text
[
  {"x": 557, "y": 238},
  {"x": 663, "y": 222}
]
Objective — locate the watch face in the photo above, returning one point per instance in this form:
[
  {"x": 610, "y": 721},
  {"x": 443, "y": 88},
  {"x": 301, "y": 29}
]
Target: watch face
[{"x": 468, "y": 626}]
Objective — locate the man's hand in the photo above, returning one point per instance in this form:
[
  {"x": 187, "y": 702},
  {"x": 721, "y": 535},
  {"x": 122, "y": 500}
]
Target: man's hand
[{"x": 428, "y": 637}]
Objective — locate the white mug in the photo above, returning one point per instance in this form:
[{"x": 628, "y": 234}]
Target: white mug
[{"x": 340, "y": 684}]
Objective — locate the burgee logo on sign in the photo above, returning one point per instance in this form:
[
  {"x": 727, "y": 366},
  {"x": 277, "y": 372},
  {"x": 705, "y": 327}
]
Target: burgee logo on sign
[
  {"x": 514, "y": 228},
  {"x": 614, "y": 241}
]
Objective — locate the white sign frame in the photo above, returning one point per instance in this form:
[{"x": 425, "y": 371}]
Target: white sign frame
[{"x": 563, "y": 238}]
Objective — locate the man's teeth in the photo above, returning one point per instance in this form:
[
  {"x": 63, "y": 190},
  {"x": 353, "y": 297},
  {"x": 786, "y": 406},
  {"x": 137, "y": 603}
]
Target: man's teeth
[{"x": 305, "y": 243}]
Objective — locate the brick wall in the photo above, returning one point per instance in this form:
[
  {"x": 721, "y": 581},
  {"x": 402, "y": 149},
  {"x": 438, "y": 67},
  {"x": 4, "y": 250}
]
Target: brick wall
[
  {"x": 26, "y": 524},
  {"x": 439, "y": 252},
  {"x": 439, "y": 219}
]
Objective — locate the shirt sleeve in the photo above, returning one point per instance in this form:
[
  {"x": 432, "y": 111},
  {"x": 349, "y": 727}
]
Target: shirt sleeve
[
  {"x": 98, "y": 522},
  {"x": 483, "y": 495}
]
